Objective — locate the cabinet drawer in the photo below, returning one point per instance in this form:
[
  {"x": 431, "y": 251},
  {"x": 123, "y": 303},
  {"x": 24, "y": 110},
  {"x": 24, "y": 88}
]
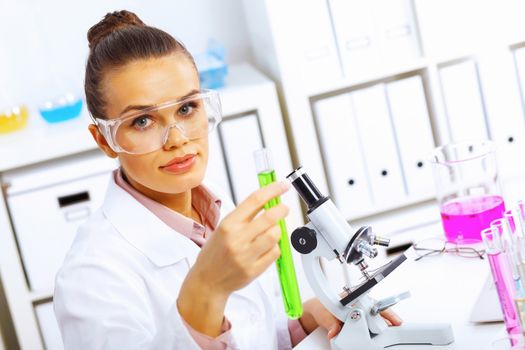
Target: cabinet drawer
[{"x": 45, "y": 219}]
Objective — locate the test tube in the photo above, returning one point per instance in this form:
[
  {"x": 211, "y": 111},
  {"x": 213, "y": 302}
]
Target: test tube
[
  {"x": 516, "y": 216},
  {"x": 285, "y": 267},
  {"x": 510, "y": 249},
  {"x": 502, "y": 275}
]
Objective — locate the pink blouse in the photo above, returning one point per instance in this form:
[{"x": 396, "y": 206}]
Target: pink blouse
[{"x": 208, "y": 206}]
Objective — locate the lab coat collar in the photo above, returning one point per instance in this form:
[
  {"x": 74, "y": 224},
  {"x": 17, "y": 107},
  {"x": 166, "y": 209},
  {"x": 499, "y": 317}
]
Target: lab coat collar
[{"x": 144, "y": 230}]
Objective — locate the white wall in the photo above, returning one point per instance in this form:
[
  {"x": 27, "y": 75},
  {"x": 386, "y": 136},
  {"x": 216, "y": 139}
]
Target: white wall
[{"x": 43, "y": 45}]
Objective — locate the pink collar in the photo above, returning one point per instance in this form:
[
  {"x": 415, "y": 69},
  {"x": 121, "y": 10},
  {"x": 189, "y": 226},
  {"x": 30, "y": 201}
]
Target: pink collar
[{"x": 206, "y": 203}]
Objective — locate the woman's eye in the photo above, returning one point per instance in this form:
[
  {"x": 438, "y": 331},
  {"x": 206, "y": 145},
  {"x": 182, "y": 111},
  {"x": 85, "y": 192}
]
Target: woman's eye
[
  {"x": 186, "y": 109},
  {"x": 141, "y": 122}
]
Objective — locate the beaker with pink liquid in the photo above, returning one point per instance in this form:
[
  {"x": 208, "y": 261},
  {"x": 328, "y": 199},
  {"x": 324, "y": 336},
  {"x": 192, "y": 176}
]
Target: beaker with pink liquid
[{"x": 468, "y": 192}]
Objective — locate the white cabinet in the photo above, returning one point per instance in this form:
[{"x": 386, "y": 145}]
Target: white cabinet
[
  {"x": 437, "y": 64},
  {"x": 241, "y": 136},
  {"x": 216, "y": 172},
  {"x": 46, "y": 214},
  {"x": 49, "y": 326},
  {"x": 47, "y": 195}
]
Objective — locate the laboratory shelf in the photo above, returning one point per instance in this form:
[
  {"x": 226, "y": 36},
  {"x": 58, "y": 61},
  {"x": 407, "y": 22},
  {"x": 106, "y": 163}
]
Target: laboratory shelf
[{"x": 336, "y": 85}]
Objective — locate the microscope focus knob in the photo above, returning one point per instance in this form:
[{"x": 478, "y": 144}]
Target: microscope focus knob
[{"x": 304, "y": 240}]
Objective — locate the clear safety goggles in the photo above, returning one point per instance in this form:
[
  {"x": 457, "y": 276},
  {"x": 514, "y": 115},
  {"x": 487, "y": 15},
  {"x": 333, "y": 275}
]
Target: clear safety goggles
[{"x": 147, "y": 130}]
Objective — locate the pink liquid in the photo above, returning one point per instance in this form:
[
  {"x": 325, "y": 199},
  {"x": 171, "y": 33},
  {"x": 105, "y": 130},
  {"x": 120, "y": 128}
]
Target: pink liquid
[
  {"x": 502, "y": 275},
  {"x": 465, "y": 218}
]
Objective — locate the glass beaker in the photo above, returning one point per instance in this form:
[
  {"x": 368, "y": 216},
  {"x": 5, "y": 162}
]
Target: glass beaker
[{"x": 468, "y": 191}]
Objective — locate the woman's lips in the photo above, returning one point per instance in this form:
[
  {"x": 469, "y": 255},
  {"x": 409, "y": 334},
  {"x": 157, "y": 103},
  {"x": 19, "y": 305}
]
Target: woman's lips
[{"x": 180, "y": 164}]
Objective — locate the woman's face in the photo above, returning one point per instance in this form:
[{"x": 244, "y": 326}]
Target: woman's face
[{"x": 181, "y": 163}]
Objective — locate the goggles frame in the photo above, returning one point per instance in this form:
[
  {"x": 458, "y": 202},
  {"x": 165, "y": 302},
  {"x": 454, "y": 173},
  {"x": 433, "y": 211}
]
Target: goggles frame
[{"x": 109, "y": 127}]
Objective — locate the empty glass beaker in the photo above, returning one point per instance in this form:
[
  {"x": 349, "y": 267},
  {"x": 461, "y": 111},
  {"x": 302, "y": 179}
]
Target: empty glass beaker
[{"x": 468, "y": 192}]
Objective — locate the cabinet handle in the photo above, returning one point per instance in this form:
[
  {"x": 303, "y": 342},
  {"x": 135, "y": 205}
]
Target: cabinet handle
[{"x": 71, "y": 199}]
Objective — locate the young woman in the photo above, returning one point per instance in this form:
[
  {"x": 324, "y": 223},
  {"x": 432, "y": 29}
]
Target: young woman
[{"x": 165, "y": 263}]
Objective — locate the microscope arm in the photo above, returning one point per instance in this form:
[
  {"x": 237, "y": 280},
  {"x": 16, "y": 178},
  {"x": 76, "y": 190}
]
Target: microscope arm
[{"x": 317, "y": 280}]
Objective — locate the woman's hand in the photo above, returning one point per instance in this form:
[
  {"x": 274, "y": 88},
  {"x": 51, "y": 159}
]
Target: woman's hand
[
  {"x": 243, "y": 246},
  {"x": 316, "y": 315}
]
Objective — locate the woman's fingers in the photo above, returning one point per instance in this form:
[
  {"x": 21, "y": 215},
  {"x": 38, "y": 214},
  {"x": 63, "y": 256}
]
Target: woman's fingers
[
  {"x": 266, "y": 259},
  {"x": 249, "y": 208},
  {"x": 392, "y": 317},
  {"x": 266, "y": 220},
  {"x": 325, "y": 319}
]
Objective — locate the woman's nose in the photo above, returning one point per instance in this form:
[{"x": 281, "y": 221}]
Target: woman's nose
[{"x": 175, "y": 137}]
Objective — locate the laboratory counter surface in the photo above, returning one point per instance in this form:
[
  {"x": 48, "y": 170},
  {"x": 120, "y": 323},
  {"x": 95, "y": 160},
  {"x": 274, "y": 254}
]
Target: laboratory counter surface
[{"x": 443, "y": 289}]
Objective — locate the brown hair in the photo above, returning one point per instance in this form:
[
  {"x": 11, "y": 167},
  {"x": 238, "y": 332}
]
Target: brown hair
[{"x": 119, "y": 38}]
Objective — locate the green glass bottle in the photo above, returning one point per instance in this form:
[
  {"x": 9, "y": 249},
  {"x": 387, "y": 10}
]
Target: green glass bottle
[{"x": 285, "y": 266}]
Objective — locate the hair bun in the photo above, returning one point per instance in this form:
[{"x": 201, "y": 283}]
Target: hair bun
[{"x": 110, "y": 23}]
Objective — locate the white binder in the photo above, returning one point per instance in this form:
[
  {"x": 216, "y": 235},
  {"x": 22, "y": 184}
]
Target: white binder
[
  {"x": 308, "y": 40},
  {"x": 216, "y": 171},
  {"x": 450, "y": 28},
  {"x": 241, "y": 136},
  {"x": 342, "y": 155},
  {"x": 463, "y": 101},
  {"x": 397, "y": 32},
  {"x": 356, "y": 34},
  {"x": 379, "y": 145},
  {"x": 504, "y": 109},
  {"x": 409, "y": 112}
]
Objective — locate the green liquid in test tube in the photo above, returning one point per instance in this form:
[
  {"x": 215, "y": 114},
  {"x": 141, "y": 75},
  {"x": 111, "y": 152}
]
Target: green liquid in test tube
[{"x": 285, "y": 267}]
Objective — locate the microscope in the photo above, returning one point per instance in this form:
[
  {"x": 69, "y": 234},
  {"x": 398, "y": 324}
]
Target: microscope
[{"x": 329, "y": 235}]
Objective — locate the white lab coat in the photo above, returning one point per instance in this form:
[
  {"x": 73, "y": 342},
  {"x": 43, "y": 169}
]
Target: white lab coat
[{"x": 118, "y": 286}]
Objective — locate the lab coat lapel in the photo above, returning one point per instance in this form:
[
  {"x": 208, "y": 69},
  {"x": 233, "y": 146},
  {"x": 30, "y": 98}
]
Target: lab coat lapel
[{"x": 145, "y": 231}]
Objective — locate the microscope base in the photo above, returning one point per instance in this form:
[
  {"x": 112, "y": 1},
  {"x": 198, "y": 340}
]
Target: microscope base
[{"x": 356, "y": 335}]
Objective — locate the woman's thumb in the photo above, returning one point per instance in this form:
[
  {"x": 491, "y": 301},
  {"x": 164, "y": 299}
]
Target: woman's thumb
[{"x": 334, "y": 330}]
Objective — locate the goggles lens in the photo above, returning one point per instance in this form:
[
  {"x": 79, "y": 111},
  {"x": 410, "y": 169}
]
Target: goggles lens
[{"x": 147, "y": 130}]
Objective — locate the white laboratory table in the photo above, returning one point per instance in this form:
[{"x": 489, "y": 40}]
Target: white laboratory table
[{"x": 443, "y": 289}]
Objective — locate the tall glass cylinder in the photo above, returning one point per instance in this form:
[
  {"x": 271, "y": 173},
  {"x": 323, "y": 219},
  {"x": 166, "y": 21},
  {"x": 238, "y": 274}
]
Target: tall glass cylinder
[
  {"x": 285, "y": 267},
  {"x": 468, "y": 191}
]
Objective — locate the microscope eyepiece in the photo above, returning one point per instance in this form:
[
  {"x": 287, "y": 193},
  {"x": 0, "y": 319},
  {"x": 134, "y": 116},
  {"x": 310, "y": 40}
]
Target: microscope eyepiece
[{"x": 306, "y": 188}]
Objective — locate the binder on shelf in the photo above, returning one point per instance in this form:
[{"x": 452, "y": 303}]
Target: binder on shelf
[
  {"x": 409, "y": 111},
  {"x": 308, "y": 46},
  {"x": 519, "y": 63},
  {"x": 343, "y": 157},
  {"x": 463, "y": 101},
  {"x": 379, "y": 145},
  {"x": 356, "y": 33},
  {"x": 398, "y": 38},
  {"x": 450, "y": 27},
  {"x": 241, "y": 136},
  {"x": 504, "y": 109}
]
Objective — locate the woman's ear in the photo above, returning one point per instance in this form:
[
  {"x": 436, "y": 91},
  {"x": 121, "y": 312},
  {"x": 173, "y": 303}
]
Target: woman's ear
[{"x": 101, "y": 141}]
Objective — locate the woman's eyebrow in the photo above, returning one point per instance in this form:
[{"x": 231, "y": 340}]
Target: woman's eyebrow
[{"x": 140, "y": 107}]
